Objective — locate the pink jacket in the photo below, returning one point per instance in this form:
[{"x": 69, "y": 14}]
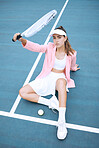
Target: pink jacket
[{"x": 49, "y": 51}]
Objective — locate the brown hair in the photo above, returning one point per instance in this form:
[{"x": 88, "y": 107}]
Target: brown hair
[{"x": 68, "y": 47}]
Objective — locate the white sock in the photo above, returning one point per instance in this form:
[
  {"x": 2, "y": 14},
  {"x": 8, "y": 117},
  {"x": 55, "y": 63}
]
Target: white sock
[
  {"x": 62, "y": 111},
  {"x": 44, "y": 101}
]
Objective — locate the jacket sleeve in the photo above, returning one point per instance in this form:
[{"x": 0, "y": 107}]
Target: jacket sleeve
[
  {"x": 73, "y": 62},
  {"x": 35, "y": 47}
]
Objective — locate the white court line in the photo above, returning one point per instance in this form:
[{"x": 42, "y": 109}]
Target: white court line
[
  {"x": 50, "y": 122},
  {"x": 13, "y": 109},
  {"x": 39, "y": 120}
]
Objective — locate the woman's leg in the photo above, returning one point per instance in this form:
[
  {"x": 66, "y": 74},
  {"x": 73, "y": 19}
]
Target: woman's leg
[
  {"x": 27, "y": 93},
  {"x": 62, "y": 95}
]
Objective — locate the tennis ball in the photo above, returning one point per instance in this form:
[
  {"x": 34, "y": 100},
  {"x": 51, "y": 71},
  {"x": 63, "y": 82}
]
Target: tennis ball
[{"x": 40, "y": 112}]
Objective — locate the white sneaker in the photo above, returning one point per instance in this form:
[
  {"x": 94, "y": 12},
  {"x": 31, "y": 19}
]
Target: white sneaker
[
  {"x": 54, "y": 103},
  {"x": 62, "y": 131}
]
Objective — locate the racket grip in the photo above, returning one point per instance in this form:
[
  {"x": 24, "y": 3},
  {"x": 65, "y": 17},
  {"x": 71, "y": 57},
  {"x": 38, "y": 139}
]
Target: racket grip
[
  {"x": 13, "y": 40},
  {"x": 18, "y": 37}
]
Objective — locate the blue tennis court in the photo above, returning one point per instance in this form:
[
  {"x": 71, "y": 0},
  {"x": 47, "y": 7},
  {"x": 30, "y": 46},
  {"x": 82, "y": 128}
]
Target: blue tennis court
[{"x": 20, "y": 124}]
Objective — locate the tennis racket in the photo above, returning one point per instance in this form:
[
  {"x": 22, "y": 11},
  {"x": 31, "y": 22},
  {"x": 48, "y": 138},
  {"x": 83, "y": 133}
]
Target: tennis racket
[{"x": 37, "y": 26}]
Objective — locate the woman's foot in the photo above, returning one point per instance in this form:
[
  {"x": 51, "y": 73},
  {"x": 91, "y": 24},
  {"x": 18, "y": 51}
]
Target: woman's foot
[
  {"x": 54, "y": 103},
  {"x": 62, "y": 130}
]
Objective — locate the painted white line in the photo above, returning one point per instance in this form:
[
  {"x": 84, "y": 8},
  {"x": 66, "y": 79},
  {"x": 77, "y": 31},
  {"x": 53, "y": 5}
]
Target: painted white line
[
  {"x": 26, "y": 82},
  {"x": 13, "y": 109},
  {"x": 50, "y": 122},
  {"x": 28, "y": 118}
]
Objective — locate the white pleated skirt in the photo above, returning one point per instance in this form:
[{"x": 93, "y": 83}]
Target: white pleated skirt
[{"x": 46, "y": 86}]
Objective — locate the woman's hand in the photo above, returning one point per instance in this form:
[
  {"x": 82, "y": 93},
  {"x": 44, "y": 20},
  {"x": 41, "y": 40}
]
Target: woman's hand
[
  {"x": 15, "y": 36},
  {"x": 24, "y": 41},
  {"x": 77, "y": 67}
]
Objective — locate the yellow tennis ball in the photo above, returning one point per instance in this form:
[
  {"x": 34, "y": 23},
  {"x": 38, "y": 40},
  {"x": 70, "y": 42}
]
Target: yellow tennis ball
[{"x": 40, "y": 112}]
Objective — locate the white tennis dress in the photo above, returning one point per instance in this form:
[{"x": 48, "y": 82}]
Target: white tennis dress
[{"x": 46, "y": 85}]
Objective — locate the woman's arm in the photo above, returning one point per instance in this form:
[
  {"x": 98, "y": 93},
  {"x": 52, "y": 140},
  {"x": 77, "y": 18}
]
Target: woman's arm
[
  {"x": 23, "y": 41},
  {"x": 31, "y": 45},
  {"x": 74, "y": 66}
]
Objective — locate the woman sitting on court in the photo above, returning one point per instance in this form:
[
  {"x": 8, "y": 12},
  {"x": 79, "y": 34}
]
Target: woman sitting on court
[{"x": 60, "y": 58}]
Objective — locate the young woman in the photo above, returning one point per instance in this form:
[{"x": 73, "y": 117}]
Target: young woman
[{"x": 60, "y": 58}]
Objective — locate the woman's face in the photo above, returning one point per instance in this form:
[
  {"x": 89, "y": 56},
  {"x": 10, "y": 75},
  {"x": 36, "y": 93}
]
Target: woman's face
[{"x": 59, "y": 40}]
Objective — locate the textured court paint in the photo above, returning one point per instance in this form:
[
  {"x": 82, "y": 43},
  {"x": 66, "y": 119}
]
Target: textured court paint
[
  {"x": 20, "y": 133},
  {"x": 82, "y": 24}
]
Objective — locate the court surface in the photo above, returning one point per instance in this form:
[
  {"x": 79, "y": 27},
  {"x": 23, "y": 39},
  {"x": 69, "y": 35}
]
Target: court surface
[{"x": 20, "y": 125}]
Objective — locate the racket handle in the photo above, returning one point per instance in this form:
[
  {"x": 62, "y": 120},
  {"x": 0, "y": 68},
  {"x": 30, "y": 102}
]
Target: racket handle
[
  {"x": 18, "y": 37},
  {"x": 13, "y": 40}
]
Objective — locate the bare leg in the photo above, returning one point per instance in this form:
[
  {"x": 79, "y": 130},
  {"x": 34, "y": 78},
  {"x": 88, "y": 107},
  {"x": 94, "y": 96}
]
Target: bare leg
[
  {"x": 28, "y": 93},
  {"x": 62, "y": 94}
]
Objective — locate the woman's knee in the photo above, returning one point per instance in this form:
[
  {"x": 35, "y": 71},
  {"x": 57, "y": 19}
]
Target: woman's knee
[
  {"x": 61, "y": 84},
  {"x": 22, "y": 92},
  {"x": 25, "y": 90}
]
